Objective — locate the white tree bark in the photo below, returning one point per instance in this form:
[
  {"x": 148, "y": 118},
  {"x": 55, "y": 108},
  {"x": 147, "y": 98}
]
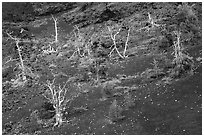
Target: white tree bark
[{"x": 56, "y": 30}]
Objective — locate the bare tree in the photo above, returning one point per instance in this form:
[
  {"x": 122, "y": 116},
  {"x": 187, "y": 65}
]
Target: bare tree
[
  {"x": 126, "y": 43},
  {"x": 59, "y": 96},
  {"x": 22, "y": 67},
  {"x": 56, "y": 30},
  {"x": 113, "y": 37}
]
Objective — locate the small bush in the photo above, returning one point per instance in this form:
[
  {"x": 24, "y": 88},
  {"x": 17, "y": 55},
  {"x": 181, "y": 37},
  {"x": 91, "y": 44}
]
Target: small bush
[{"x": 184, "y": 66}]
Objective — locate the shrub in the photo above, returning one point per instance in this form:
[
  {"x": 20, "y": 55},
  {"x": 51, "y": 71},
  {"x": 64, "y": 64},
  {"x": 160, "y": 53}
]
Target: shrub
[
  {"x": 93, "y": 66},
  {"x": 184, "y": 29},
  {"x": 182, "y": 61}
]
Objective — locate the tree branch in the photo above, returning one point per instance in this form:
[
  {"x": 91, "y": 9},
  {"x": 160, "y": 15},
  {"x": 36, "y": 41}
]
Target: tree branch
[{"x": 56, "y": 31}]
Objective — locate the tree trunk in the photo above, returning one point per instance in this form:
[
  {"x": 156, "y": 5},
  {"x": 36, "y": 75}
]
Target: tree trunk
[{"x": 58, "y": 117}]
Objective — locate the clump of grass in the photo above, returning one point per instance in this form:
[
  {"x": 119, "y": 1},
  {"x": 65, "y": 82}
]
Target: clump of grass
[{"x": 115, "y": 112}]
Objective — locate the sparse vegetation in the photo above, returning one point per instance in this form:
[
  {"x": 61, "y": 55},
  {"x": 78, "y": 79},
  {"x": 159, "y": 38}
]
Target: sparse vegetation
[
  {"x": 102, "y": 68},
  {"x": 182, "y": 61}
]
